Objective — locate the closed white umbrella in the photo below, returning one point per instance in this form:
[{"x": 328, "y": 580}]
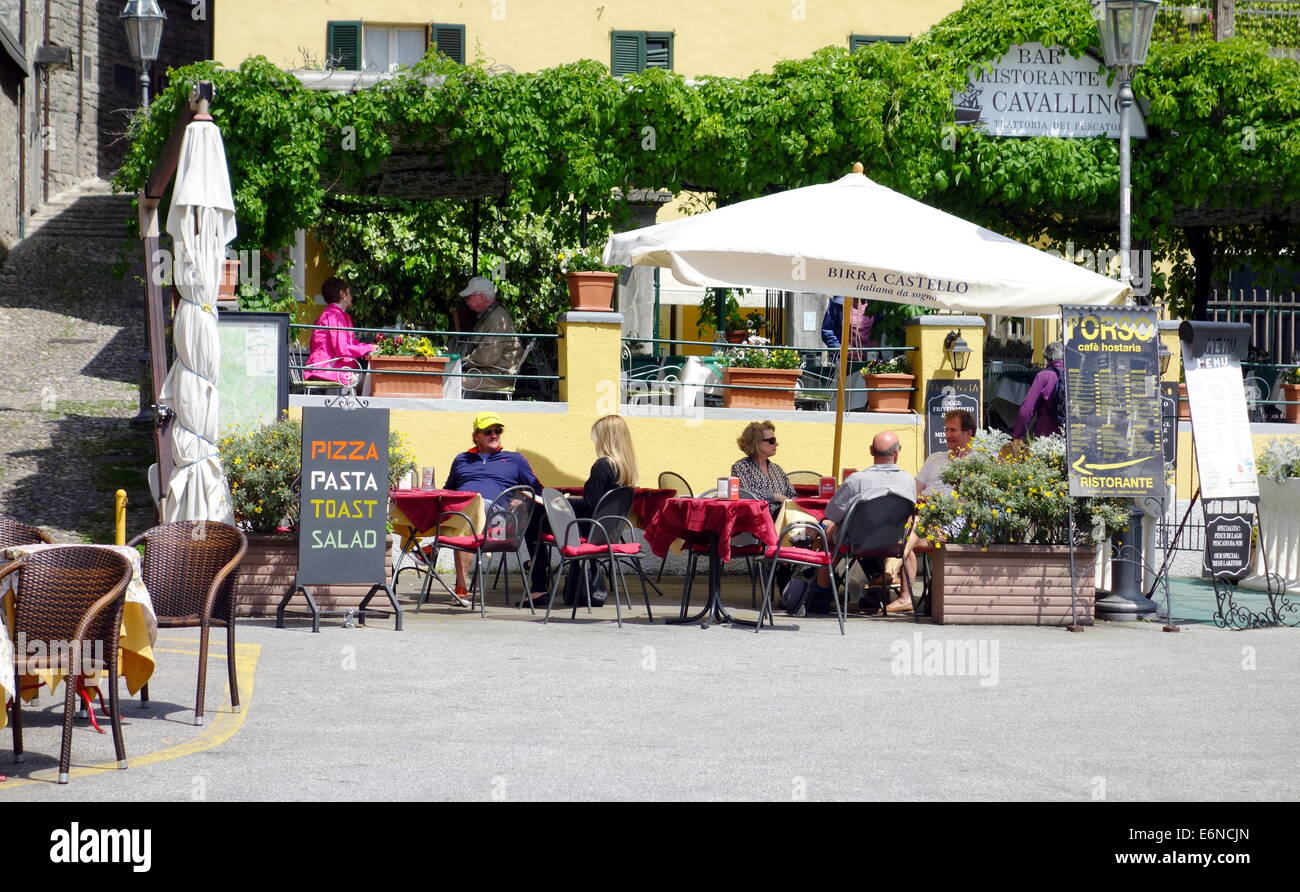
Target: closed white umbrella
[
  {"x": 201, "y": 222},
  {"x": 857, "y": 238}
]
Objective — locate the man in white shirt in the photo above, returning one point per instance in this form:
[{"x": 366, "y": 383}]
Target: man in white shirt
[
  {"x": 883, "y": 477},
  {"x": 958, "y": 431}
]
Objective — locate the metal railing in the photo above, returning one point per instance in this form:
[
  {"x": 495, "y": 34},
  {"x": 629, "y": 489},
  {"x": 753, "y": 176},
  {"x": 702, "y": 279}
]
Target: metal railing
[
  {"x": 541, "y": 384},
  {"x": 816, "y": 384}
]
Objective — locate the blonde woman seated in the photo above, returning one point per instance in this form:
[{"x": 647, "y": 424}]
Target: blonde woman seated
[{"x": 615, "y": 466}]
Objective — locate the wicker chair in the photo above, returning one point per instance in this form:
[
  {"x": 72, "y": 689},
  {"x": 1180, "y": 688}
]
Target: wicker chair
[
  {"x": 15, "y": 532},
  {"x": 69, "y": 600},
  {"x": 189, "y": 569}
]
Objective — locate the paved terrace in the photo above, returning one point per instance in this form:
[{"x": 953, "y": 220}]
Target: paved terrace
[{"x": 458, "y": 707}]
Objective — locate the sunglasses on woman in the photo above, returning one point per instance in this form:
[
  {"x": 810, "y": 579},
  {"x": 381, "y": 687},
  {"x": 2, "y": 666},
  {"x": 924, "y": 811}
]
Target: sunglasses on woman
[{"x": 771, "y": 440}]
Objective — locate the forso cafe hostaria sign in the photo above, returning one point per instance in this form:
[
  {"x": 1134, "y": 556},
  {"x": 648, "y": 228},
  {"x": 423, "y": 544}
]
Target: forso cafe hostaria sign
[{"x": 1036, "y": 90}]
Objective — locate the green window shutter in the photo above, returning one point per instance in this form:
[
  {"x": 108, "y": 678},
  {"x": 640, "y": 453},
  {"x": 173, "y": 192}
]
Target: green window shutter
[
  {"x": 858, "y": 41},
  {"x": 659, "y": 50},
  {"x": 343, "y": 45},
  {"x": 449, "y": 41},
  {"x": 627, "y": 52}
]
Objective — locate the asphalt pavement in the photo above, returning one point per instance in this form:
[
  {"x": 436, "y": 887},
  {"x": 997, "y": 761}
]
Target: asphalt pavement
[{"x": 506, "y": 708}]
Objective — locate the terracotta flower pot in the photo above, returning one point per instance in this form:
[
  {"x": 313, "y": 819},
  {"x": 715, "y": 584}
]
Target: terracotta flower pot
[
  {"x": 392, "y": 381},
  {"x": 738, "y": 336},
  {"x": 889, "y": 401},
  {"x": 741, "y": 398},
  {"x": 267, "y": 572},
  {"x": 229, "y": 279},
  {"x": 1291, "y": 393},
  {"x": 591, "y": 292},
  {"x": 1011, "y": 585}
]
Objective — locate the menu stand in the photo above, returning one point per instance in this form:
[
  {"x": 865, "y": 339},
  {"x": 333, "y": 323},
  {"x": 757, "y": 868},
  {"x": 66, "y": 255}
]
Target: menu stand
[{"x": 359, "y": 611}]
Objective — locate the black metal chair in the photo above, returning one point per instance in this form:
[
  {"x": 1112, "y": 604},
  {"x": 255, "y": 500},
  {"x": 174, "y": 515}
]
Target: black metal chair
[
  {"x": 801, "y": 557},
  {"x": 599, "y": 544},
  {"x": 876, "y": 529},
  {"x": 505, "y": 524},
  {"x": 671, "y": 480},
  {"x": 804, "y": 478}
]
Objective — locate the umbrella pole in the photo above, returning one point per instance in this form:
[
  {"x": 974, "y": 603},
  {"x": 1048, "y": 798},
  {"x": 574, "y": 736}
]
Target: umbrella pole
[{"x": 846, "y": 321}]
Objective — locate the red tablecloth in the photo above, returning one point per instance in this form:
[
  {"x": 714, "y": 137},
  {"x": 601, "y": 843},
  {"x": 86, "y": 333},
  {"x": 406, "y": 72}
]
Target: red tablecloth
[
  {"x": 422, "y": 506},
  {"x": 806, "y": 489},
  {"x": 645, "y": 501},
  {"x": 690, "y": 518},
  {"x": 814, "y": 506}
]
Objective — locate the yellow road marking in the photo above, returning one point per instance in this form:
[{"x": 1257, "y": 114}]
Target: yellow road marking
[{"x": 221, "y": 727}]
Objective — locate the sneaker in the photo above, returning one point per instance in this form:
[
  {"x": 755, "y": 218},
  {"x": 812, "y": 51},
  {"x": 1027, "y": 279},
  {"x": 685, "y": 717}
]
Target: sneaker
[{"x": 461, "y": 596}]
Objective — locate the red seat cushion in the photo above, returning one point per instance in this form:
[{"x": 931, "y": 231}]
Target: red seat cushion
[
  {"x": 803, "y": 555},
  {"x": 629, "y": 548},
  {"x": 466, "y": 542}
]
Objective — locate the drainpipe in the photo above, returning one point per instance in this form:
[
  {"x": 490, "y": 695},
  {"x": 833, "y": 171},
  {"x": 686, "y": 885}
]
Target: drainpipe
[
  {"x": 45, "y": 120},
  {"x": 22, "y": 127}
]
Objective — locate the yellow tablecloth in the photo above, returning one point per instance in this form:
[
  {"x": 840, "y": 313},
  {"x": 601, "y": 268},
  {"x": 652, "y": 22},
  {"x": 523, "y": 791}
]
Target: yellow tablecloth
[{"x": 139, "y": 631}]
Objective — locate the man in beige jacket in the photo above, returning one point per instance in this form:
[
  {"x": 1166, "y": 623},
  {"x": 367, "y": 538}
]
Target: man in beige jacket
[{"x": 497, "y": 356}]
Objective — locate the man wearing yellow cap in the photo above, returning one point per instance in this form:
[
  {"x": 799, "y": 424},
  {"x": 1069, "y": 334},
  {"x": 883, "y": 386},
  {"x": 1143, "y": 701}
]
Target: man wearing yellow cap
[{"x": 488, "y": 470}]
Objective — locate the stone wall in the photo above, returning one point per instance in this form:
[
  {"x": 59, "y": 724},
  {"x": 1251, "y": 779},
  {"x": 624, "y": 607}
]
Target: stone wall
[{"x": 75, "y": 115}]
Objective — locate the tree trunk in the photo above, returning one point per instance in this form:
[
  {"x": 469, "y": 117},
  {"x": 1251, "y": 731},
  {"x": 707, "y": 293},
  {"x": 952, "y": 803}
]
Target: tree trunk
[{"x": 1203, "y": 251}]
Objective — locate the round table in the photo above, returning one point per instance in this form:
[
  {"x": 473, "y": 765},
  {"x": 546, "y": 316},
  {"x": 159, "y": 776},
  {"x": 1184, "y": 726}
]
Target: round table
[{"x": 713, "y": 522}]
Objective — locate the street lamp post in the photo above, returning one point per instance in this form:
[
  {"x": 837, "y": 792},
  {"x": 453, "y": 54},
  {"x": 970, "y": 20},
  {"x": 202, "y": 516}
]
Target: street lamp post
[
  {"x": 1125, "y": 29},
  {"x": 143, "y": 22}
]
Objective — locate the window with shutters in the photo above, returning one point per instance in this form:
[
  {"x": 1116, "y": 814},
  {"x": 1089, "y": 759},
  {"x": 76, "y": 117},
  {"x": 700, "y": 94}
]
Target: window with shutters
[
  {"x": 633, "y": 51},
  {"x": 361, "y": 46},
  {"x": 450, "y": 40},
  {"x": 857, "y": 41}
]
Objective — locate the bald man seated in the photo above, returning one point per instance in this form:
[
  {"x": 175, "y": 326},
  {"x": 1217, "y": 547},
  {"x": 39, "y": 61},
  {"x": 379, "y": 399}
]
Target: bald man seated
[{"x": 883, "y": 477}]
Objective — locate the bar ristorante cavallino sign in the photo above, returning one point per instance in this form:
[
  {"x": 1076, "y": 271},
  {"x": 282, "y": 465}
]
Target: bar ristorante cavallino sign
[{"x": 1112, "y": 370}]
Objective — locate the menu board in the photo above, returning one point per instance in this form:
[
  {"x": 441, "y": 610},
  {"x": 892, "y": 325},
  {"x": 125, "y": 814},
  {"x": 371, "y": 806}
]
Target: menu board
[
  {"x": 1227, "y": 545},
  {"x": 1113, "y": 424},
  {"x": 1225, "y": 454},
  {"x": 941, "y": 397},
  {"x": 343, "y": 506},
  {"x": 1169, "y": 422}
]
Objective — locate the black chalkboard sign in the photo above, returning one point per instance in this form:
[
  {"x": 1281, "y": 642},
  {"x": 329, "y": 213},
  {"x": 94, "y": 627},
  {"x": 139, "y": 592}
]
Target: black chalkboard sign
[
  {"x": 1227, "y": 545},
  {"x": 343, "y": 506},
  {"x": 941, "y": 397},
  {"x": 1113, "y": 401}
]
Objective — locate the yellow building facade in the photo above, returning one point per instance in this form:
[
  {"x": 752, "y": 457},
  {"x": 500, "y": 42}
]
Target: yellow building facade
[{"x": 730, "y": 38}]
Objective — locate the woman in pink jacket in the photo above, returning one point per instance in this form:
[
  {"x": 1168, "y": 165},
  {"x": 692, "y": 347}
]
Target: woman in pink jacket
[{"x": 335, "y": 347}]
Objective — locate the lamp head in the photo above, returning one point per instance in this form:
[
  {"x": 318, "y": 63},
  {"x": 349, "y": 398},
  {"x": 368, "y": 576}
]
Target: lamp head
[
  {"x": 143, "y": 21},
  {"x": 1125, "y": 29},
  {"x": 958, "y": 351}
]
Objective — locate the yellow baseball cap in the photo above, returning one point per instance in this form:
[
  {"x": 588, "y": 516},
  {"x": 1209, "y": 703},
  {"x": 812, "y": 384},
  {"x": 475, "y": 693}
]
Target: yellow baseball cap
[{"x": 484, "y": 420}]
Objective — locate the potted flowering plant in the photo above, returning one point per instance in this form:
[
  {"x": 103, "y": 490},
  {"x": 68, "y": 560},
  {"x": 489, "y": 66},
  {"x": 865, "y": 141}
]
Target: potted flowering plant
[
  {"x": 1001, "y": 538},
  {"x": 759, "y": 367},
  {"x": 590, "y": 282},
  {"x": 894, "y": 372},
  {"x": 262, "y": 467},
  {"x": 734, "y": 325},
  {"x": 402, "y": 363},
  {"x": 1291, "y": 393}
]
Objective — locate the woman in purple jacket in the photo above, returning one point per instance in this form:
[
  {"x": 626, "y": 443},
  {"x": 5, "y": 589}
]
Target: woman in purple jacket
[{"x": 1038, "y": 413}]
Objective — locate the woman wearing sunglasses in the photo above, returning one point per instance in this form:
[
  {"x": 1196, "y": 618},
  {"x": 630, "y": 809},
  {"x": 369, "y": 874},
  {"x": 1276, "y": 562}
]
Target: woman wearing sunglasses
[{"x": 757, "y": 472}]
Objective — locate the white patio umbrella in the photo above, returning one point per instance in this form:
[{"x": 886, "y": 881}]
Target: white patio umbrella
[
  {"x": 201, "y": 221},
  {"x": 856, "y": 238}
]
